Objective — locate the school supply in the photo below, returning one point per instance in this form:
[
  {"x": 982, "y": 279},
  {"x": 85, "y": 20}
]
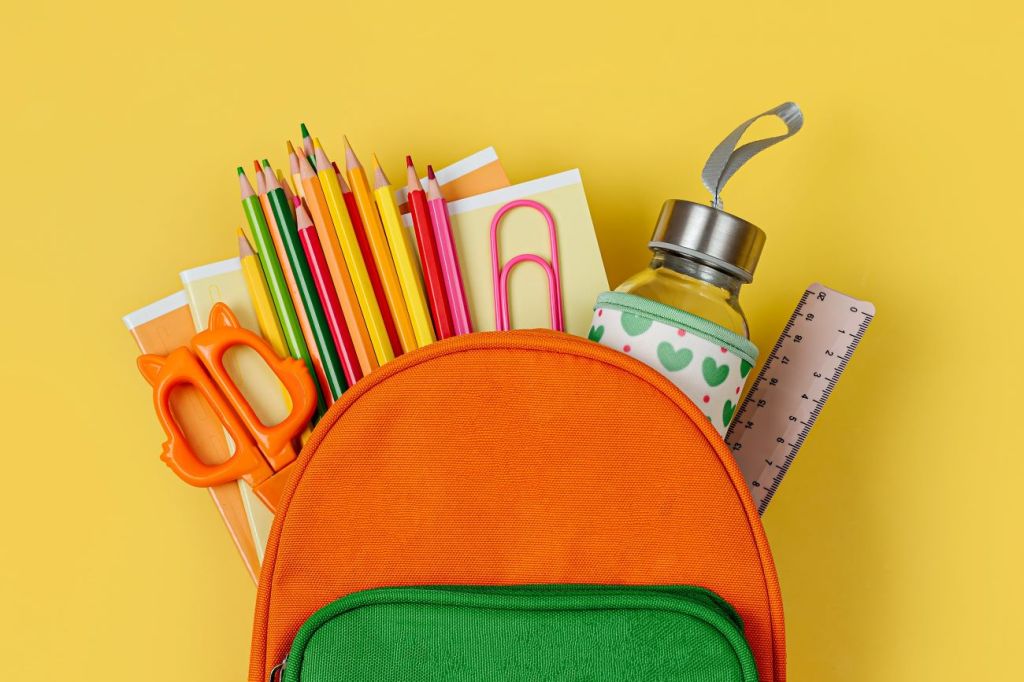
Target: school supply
[
  {"x": 378, "y": 245},
  {"x": 448, "y": 255},
  {"x": 319, "y": 212},
  {"x": 552, "y": 484},
  {"x": 328, "y": 296},
  {"x": 501, "y": 272},
  {"x": 581, "y": 269},
  {"x": 599, "y": 633},
  {"x": 476, "y": 174},
  {"x": 371, "y": 266},
  {"x": 281, "y": 280},
  {"x": 266, "y": 315},
  {"x": 224, "y": 282},
  {"x": 159, "y": 328},
  {"x": 307, "y": 140},
  {"x": 304, "y": 282},
  {"x": 426, "y": 246},
  {"x": 404, "y": 257},
  {"x": 681, "y": 314},
  {"x": 261, "y": 452},
  {"x": 793, "y": 385},
  {"x": 293, "y": 169}
]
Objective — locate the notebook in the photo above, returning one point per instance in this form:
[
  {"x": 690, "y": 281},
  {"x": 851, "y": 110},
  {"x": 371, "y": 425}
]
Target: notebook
[
  {"x": 525, "y": 231},
  {"x": 160, "y": 328},
  {"x": 224, "y": 281}
]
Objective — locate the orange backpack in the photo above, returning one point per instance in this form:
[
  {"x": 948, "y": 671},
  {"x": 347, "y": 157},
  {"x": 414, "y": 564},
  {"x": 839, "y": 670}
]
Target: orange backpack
[{"x": 515, "y": 458}]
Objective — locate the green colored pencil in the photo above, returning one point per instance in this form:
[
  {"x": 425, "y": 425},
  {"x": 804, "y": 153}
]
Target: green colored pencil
[
  {"x": 275, "y": 281},
  {"x": 289, "y": 231}
]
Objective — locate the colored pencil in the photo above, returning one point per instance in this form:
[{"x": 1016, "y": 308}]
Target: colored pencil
[
  {"x": 276, "y": 281},
  {"x": 307, "y": 142},
  {"x": 448, "y": 255},
  {"x": 404, "y": 257},
  {"x": 286, "y": 186},
  {"x": 367, "y": 254},
  {"x": 304, "y": 279},
  {"x": 293, "y": 169},
  {"x": 293, "y": 288},
  {"x": 320, "y": 213},
  {"x": 381, "y": 251},
  {"x": 335, "y": 198},
  {"x": 266, "y": 314},
  {"x": 328, "y": 295},
  {"x": 433, "y": 278}
]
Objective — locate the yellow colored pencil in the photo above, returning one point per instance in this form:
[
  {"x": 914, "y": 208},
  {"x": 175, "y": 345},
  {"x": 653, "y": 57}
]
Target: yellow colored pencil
[
  {"x": 293, "y": 168},
  {"x": 266, "y": 315},
  {"x": 378, "y": 241},
  {"x": 334, "y": 194},
  {"x": 405, "y": 259}
]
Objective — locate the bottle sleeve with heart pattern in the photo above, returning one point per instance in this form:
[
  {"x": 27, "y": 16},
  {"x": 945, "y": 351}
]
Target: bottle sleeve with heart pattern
[{"x": 707, "y": 362}]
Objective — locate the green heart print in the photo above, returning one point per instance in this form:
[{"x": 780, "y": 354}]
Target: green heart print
[
  {"x": 727, "y": 411},
  {"x": 714, "y": 373},
  {"x": 634, "y": 325},
  {"x": 745, "y": 368},
  {"x": 674, "y": 360},
  {"x": 596, "y": 333}
]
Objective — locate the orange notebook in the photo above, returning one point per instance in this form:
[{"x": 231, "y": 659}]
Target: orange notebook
[{"x": 160, "y": 328}]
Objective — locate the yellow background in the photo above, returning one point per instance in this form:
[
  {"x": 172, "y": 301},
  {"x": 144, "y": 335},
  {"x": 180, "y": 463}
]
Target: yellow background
[{"x": 898, "y": 532}]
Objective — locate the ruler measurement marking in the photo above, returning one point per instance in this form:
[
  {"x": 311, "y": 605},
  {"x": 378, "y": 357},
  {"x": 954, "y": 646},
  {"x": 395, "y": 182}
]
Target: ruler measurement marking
[{"x": 798, "y": 387}]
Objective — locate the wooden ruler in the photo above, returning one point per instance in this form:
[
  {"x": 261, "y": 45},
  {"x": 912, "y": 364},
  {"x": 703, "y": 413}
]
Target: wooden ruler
[{"x": 796, "y": 380}]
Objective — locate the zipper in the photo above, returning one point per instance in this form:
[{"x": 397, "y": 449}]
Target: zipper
[{"x": 277, "y": 672}]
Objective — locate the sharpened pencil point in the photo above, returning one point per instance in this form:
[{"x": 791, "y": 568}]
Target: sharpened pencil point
[
  {"x": 408, "y": 161},
  {"x": 376, "y": 161},
  {"x": 430, "y": 173},
  {"x": 241, "y": 171},
  {"x": 316, "y": 143},
  {"x": 304, "y": 129},
  {"x": 266, "y": 164},
  {"x": 256, "y": 164},
  {"x": 291, "y": 149}
]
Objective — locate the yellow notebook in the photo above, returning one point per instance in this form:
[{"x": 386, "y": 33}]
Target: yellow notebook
[
  {"x": 525, "y": 231},
  {"x": 224, "y": 282}
]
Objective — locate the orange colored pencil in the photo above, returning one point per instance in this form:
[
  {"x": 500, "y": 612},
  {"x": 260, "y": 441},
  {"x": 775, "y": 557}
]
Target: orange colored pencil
[
  {"x": 316, "y": 203},
  {"x": 293, "y": 289},
  {"x": 381, "y": 251}
]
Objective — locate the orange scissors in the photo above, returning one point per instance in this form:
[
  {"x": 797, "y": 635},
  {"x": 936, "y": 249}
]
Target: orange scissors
[{"x": 261, "y": 452}]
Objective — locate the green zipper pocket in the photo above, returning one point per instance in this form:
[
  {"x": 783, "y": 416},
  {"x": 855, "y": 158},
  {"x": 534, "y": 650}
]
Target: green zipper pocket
[{"x": 515, "y": 634}]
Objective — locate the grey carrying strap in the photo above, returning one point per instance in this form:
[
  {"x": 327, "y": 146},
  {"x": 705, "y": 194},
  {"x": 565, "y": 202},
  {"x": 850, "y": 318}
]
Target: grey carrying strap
[{"x": 726, "y": 159}]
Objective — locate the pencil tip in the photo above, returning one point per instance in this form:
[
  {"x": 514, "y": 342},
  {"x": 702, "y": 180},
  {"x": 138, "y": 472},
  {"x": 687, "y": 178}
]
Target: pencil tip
[
  {"x": 291, "y": 149},
  {"x": 430, "y": 173},
  {"x": 266, "y": 164},
  {"x": 241, "y": 171},
  {"x": 408, "y": 161},
  {"x": 305, "y": 130},
  {"x": 259, "y": 169},
  {"x": 316, "y": 143}
]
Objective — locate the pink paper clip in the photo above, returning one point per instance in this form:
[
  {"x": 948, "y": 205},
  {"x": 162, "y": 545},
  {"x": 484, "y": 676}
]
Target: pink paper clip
[{"x": 501, "y": 273}]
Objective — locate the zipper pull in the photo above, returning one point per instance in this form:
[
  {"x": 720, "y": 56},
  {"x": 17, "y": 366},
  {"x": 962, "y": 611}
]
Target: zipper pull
[{"x": 277, "y": 672}]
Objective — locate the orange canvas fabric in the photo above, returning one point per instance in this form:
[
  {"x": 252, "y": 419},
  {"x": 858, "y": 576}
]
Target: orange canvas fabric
[{"x": 515, "y": 458}]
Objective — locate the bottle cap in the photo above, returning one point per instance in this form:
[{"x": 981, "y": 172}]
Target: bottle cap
[{"x": 709, "y": 235}]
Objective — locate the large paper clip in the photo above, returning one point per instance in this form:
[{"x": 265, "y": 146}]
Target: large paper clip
[{"x": 501, "y": 273}]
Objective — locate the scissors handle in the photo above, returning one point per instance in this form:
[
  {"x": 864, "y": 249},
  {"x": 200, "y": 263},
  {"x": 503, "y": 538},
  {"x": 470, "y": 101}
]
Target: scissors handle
[
  {"x": 182, "y": 369},
  {"x": 275, "y": 441}
]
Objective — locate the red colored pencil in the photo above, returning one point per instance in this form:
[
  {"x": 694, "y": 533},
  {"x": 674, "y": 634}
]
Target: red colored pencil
[
  {"x": 328, "y": 295},
  {"x": 432, "y": 275},
  {"x": 371, "y": 266}
]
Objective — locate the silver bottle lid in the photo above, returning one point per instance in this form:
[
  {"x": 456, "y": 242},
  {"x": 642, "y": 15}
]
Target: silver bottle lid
[{"x": 709, "y": 235}]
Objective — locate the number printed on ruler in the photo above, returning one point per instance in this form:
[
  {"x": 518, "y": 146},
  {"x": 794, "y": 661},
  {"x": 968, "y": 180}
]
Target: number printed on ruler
[{"x": 793, "y": 385}]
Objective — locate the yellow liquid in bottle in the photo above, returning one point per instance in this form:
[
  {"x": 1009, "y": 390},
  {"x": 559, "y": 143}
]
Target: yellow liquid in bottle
[{"x": 687, "y": 285}]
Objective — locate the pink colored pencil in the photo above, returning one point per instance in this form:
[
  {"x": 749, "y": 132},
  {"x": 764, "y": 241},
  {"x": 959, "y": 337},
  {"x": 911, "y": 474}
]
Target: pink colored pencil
[
  {"x": 449, "y": 257},
  {"x": 328, "y": 295}
]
